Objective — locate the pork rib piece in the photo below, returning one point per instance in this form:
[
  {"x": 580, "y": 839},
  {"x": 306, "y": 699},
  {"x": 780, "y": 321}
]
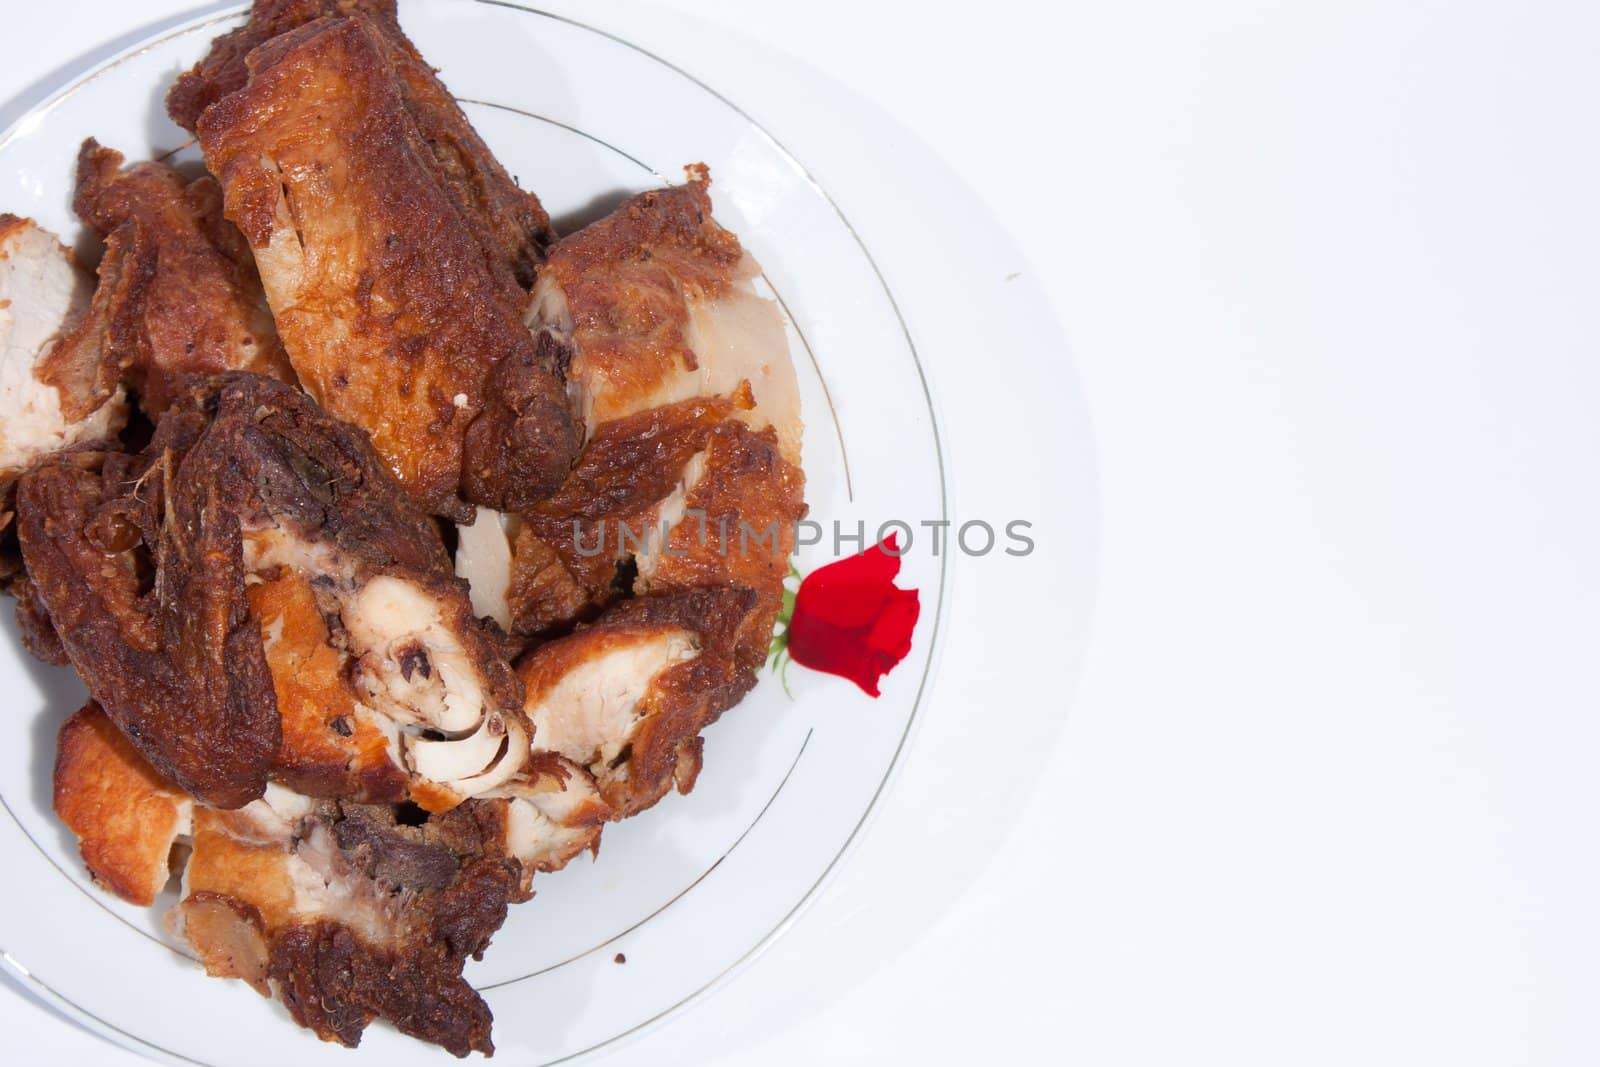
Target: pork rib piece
[
  {"x": 509, "y": 224},
  {"x": 56, "y": 391},
  {"x": 390, "y": 313},
  {"x": 200, "y": 308}
]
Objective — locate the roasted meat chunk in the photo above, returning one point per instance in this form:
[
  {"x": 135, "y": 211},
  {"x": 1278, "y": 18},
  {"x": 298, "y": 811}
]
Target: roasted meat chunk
[
  {"x": 127, "y": 817},
  {"x": 391, "y": 315},
  {"x": 347, "y": 914},
  {"x": 56, "y": 390},
  {"x": 200, "y": 308},
  {"x": 510, "y": 225}
]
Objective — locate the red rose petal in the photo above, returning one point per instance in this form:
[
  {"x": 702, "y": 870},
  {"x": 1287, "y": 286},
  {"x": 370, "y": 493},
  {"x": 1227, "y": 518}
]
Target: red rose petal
[{"x": 852, "y": 621}]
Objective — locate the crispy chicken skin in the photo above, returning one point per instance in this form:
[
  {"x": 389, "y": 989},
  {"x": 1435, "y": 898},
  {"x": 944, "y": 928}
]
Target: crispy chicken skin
[
  {"x": 627, "y": 696},
  {"x": 345, "y": 914},
  {"x": 141, "y": 571},
  {"x": 390, "y": 314},
  {"x": 200, "y": 309},
  {"x": 127, "y": 817},
  {"x": 508, "y": 223},
  {"x": 58, "y": 388}
]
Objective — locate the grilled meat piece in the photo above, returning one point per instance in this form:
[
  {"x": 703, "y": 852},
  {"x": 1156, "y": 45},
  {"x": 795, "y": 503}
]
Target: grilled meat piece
[
  {"x": 390, "y": 313},
  {"x": 201, "y": 309}
]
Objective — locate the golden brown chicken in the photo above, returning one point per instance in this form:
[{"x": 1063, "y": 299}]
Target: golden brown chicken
[
  {"x": 655, "y": 304},
  {"x": 345, "y": 912}
]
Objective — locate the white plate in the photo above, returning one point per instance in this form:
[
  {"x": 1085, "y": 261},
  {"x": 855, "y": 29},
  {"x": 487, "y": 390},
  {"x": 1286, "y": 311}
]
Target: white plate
[{"x": 697, "y": 886}]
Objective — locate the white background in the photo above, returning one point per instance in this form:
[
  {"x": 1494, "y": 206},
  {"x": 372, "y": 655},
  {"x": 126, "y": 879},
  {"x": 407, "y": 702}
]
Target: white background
[{"x": 1327, "y": 792}]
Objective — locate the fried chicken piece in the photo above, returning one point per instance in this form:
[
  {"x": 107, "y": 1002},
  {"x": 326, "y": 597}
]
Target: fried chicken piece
[
  {"x": 654, "y": 304},
  {"x": 390, "y": 314},
  {"x": 692, "y": 412},
  {"x": 553, "y": 813},
  {"x": 202, "y": 310},
  {"x": 56, "y": 389},
  {"x": 250, "y": 482},
  {"x": 175, "y": 661},
  {"x": 127, "y": 817},
  {"x": 385, "y": 678},
  {"x": 628, "y": 696},
  {"x": 345, "y": 914},
  {"x": 678, "y": 497},
  {"x": 508, "y": 223}
]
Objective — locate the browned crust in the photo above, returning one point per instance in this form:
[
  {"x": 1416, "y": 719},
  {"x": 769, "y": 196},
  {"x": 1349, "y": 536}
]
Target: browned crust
[
  {"x": 751, "y": 499},
  {"x": 738, "y": 528},
  {"x": 543, "y": 595},
  {"x": 200, "y": 307},
  {"x": 38, "y": 633},
  {"x": 126, "y": 815},
  {"x": 391, "y": 316},
  {"x": 509, "y": 223},
  {"x": 178, "y": 667}
]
